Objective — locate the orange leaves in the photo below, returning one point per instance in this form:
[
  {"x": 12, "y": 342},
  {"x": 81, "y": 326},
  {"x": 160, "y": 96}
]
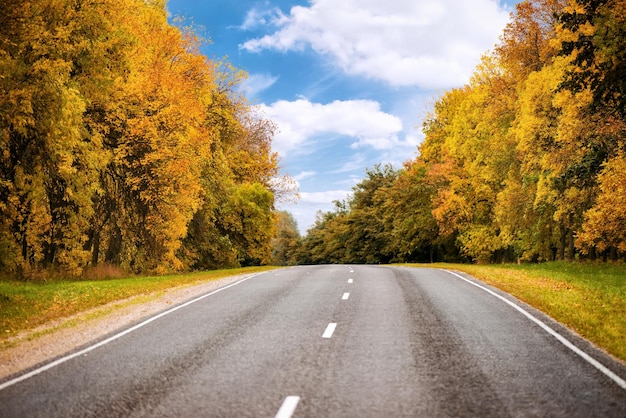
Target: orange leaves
[
  {"x": 114, "y": 133},
  {"x": 451, "y": 211},
  {"x": 163, "y": 144},
  {"x": 513, "y": 156},
  {"x": 526, "y": 42},
  {"x": 522, "y": 163},
  {"x": 468, "y": 153}
]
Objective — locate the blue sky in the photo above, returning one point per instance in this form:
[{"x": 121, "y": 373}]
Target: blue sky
[{"x": 347, "y": 82}]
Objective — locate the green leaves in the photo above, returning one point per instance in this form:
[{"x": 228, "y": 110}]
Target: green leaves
[{"x": 286, "y": 243}]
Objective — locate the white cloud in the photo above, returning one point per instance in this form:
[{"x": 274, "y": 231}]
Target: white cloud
[
  {"x": 428, "y": 43},
  {"x": 300, "y": 121},
  {"x": 256, "y": 83},
  {"x": 414, "y": 139},
  {"x": 303, "y": 175},
  {"x": 356, "y": 162},
  {"x": 327, "y": 198},
  {"x": 263, "y": 17}
]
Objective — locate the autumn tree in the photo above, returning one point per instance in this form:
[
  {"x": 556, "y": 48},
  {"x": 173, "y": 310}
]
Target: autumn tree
[
  {"x": 238, "y": 181},
  {"x": 121, "y": 143},
  {"x": 526, "y": 43},
  {"x": 592, "y": 36},
  {"x": 468, "y": 151},
  {"x": 158, "y": 141},
  {"x": 286, "y": 244},
  {"x": 592, "y": 33},
  {"x": 367, "y": 239},
  {"x": 52, "y": 57},
  {"x": 325, "y": 241},
  {"x": 605, "y": 223},
  {"x": 522, "y": 163},
  {"x": 407, "y": 214},
  {"x": 355, "y": 231}
]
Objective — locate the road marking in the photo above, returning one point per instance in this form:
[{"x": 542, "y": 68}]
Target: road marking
[
  {"x": 350, "y": 281},
  {"x": 288, "y": 407},
  {"x": 595, "y": 363},
  {"x": 116, "y": 336},
  {"x": 329, "y": 330},
  {"x": 345, "y": 296}
]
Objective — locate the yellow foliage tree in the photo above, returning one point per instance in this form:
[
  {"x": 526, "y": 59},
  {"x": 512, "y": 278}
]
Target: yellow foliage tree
[
  {"x": 49, "y": 53},
  {"x": 114, "y": 133},
  {"x": 605, "y": 222}
]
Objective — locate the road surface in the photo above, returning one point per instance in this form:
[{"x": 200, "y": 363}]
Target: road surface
[{"x": 332, "y": 341}]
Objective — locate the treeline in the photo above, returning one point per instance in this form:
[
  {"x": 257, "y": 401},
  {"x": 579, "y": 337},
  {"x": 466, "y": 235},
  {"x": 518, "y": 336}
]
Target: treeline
[
  {"x": 526, "y": 162},
  {"x": 120, "y": 143}
]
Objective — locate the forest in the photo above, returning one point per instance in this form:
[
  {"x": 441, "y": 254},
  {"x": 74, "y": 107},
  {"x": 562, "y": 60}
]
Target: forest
[
  {"x": 525, "y": 163},
  {"x": 122, "y": 145}
]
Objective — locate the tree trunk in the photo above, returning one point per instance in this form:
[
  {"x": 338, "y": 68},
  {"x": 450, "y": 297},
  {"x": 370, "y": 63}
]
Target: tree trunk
[
  {"x": 562, "y": 242},
  {"x": 613, "y": 254},
  {"x": 571, "y": 249},
  {"x": 95, "y": 249},
  {"x": 114, "y": 247}
]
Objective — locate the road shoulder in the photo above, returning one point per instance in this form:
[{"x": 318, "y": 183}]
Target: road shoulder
[{"x": 52, "y": 340}]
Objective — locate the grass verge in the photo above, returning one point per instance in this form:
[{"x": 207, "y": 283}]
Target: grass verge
[
  {"x": 27, "y": 305},
  {"x": 588, "y": 298}
]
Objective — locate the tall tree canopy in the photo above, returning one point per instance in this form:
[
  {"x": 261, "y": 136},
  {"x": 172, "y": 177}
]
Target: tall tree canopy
[
  {"x": 525, "y": 162},
  {"x": 121, "y": 143}
]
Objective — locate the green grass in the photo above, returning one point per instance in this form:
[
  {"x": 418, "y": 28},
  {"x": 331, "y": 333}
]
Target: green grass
[
  {"x": 27, "y": 305},
  {"x": 588, "y": 298}
]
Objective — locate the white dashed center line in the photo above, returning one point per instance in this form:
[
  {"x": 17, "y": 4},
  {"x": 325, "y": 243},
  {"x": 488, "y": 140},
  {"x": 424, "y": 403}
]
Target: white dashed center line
[
  {"x": 345, "y": 296},
  {"x": 350, "y": 281},
  {"x": 329, "y": 330},
  {"x": 288, "y": 407}
]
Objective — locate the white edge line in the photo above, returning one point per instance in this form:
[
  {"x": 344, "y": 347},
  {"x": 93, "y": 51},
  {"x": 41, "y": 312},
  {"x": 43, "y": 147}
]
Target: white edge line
[
  {"x": 330, "y": 329},
  {"x": 288, "y": 407},
  {"x": 595, "y": 363},
  {"x": 112, "y": 338}
]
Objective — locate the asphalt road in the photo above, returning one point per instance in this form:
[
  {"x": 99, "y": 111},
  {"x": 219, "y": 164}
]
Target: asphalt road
[{"x": 332, "y": 341}]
